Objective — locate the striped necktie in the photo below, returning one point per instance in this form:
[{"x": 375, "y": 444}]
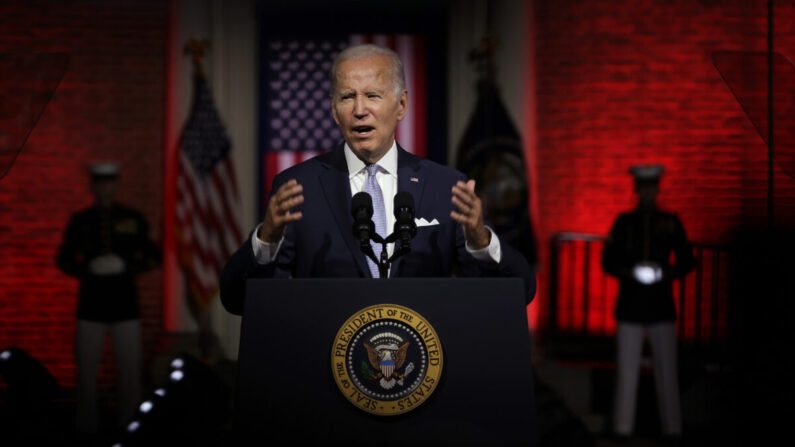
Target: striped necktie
[{"x": 379, "y": 215}]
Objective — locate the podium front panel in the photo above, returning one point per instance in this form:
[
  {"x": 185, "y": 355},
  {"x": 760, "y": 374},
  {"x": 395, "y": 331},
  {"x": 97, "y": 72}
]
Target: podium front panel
[{"x": 286, "y": 392}]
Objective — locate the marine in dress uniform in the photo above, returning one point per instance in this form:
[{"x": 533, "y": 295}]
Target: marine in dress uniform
[
  {"x": 638, "y": 252},
  {"x": 106, "y": 246}
]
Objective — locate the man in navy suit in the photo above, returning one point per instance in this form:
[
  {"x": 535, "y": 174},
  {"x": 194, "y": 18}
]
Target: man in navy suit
[{"x": 308, "y": 227}]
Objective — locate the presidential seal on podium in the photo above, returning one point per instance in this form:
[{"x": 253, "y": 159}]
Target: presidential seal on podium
[{"x": 387, "y": 359}]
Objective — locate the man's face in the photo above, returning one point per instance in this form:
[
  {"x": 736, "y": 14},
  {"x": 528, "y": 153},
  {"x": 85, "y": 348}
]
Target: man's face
[
  {"x": 647, "y": 194},
  {"x": 366, "y": 107},
  {"x": 104, "y": 191}
]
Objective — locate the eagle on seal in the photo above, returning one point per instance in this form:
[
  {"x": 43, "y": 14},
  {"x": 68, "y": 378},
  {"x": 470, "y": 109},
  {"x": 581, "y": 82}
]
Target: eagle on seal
[{"x": 388, "y": 361}]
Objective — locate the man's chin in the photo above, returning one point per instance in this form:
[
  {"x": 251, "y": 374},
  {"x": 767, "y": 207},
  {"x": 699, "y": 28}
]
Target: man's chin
[{"x": 367, "y": 152}]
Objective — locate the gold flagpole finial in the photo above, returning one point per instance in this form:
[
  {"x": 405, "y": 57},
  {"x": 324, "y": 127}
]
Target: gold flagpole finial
[
  {"x": 196, "y": 47},
  {"x": 483, "y": 56}
]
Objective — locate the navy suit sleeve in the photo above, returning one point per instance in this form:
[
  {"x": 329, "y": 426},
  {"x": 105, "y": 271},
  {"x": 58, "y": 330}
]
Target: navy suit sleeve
[
  {"x": 240, "y": 268},
  {"x": 243, "y": 266},
  {"x": 512, "y": 263}
]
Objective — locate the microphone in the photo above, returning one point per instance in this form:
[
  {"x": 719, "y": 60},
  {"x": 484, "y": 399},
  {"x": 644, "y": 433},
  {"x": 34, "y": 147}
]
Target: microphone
[
  {"x": 362, "y": 211},
  {"x": 405, "y": 227}
]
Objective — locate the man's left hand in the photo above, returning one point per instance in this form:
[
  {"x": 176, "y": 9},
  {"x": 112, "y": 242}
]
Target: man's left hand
[{"x": 469, "y": 213}]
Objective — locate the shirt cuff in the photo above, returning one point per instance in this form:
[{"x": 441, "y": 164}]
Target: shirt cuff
[
  {"x": 264, "y": 252},
  {"x": 491, "y": 252}
]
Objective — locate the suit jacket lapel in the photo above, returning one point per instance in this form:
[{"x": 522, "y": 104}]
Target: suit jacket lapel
[
  {"x": 409, "y": 180},
  {"x": 337, "y": 189}
]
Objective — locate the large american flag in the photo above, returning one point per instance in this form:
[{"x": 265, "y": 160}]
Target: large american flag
[
  {"x": 295, "y": 114},
  {"x": 208, "y": 227}
]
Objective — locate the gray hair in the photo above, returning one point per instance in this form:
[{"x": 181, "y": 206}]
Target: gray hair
[{"x": 365, "y": 51}]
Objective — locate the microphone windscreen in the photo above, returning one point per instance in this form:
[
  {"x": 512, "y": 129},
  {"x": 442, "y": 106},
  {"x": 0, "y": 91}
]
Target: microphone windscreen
[
  {"x": 362, "y": 200},
  {"x": 404, "y": 199}
]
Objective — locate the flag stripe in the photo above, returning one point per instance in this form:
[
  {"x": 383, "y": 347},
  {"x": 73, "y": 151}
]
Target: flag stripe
[
  {"x": 234, "y": 209},
  {"x": 410, "y": 132},
  {"x": 278, "y": 161},
  {"x": 405, "y": 129},
  {"x": 207, "y": 221},
  {"x": 196, "y": 221},
  {"x": 419, "y": 111},
  {"x": 223, "y": 214}
]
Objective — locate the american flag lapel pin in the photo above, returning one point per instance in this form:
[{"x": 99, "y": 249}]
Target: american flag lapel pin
[{"x": 415, "y": 179}]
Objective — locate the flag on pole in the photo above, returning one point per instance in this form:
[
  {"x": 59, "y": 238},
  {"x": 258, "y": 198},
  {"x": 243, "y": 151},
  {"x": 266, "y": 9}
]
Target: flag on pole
[
  {"x": 208, "y": 227},
  {"x": 491, "y": 153},
  {"x": 295, "y": 111}
]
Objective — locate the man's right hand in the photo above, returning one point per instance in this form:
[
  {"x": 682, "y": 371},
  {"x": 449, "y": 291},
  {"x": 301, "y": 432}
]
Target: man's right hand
[{"x": 278, "y": 214}]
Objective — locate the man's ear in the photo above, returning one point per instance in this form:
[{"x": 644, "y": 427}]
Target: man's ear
[
  {"x": 403, "y": 104},
  {"x": 334, "y": 112}
]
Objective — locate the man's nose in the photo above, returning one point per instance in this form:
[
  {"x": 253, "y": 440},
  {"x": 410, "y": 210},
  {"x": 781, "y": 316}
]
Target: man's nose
[{"x": 359, "y": 107}]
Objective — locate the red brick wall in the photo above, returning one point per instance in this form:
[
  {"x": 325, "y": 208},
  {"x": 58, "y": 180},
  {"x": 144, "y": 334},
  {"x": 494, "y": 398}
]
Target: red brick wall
[
  {"x": 625, "y": 82},
  {"x": 109, "y": 105}
]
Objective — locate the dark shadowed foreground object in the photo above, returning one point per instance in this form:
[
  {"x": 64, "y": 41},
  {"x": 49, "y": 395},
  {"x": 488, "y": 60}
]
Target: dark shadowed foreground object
[
  {"x": 33, "y": 410},
  {"x": 191, "y": 408},
  {"x": 762, "y": 291}
]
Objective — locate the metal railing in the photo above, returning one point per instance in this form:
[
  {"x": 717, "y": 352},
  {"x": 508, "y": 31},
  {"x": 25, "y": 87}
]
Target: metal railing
[{"x": 582, "y": 296}]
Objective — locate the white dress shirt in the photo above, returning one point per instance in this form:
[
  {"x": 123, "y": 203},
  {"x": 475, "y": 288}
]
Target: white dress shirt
[{"x": 386, "y": 177}]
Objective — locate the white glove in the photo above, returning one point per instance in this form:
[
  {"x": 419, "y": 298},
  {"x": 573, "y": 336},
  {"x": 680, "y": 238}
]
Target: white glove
[
  {"x": 647, "y": 273},
  {"x": 108, "y": 264}
]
